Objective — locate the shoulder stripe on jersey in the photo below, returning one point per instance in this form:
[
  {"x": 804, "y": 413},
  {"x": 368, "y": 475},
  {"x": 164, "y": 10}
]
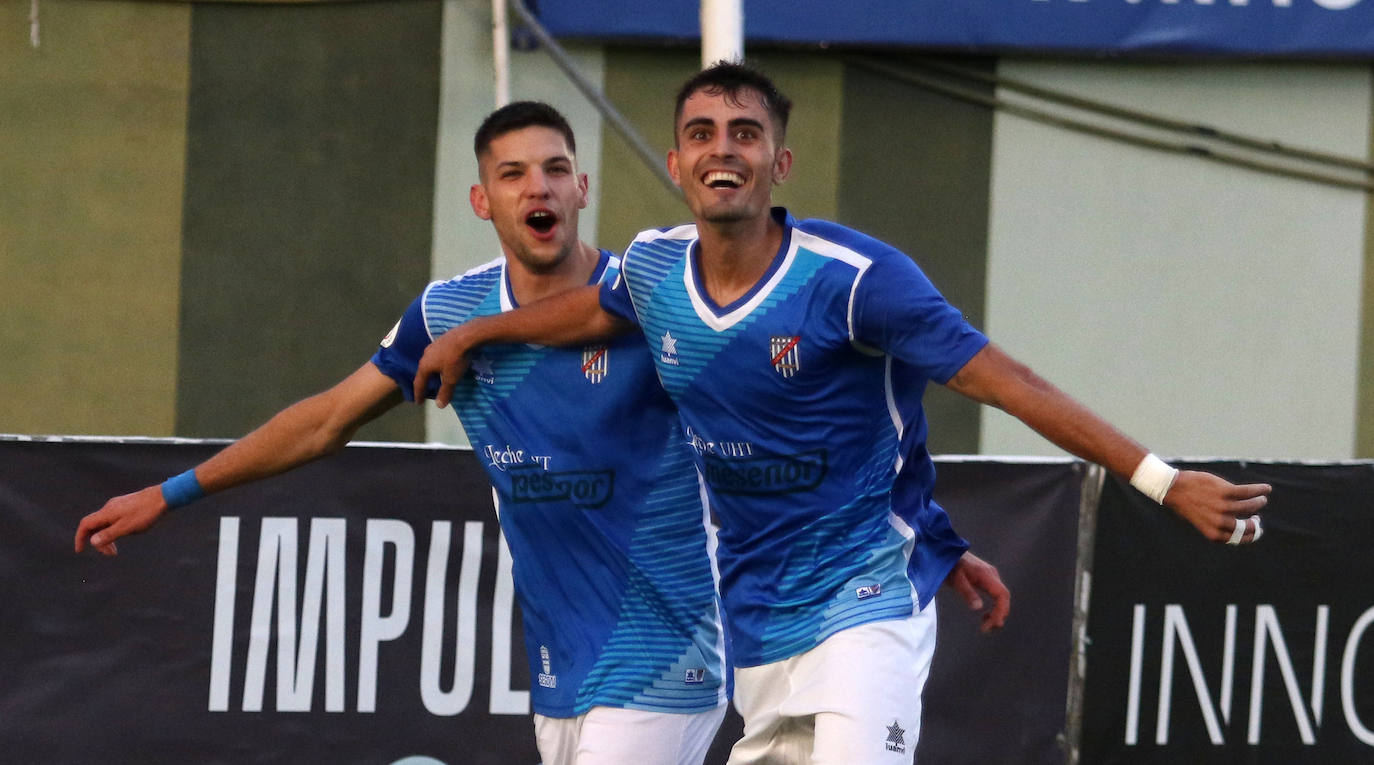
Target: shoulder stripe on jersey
[
  {"x": 685, "y": 231},
  {"x": 829, "y": 249}
]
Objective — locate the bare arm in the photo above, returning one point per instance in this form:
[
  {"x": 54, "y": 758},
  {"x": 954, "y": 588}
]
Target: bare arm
[
  {"x": 304, "y": 431},
  {"x": 1208, "y": 502},
  {"x": 972, "y": 574},
  {"x": 568, "y": 318}
]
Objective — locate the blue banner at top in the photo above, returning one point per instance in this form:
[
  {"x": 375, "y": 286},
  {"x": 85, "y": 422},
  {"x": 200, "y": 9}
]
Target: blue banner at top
[{"x": 1287, "y": 28}]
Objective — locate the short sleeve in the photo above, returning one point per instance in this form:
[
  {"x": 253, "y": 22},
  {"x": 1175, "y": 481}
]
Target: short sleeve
[
  {"x": 897, "y": 310},
  {"x": 615, "y": 299},
  {"x": 399, "y": 354}
]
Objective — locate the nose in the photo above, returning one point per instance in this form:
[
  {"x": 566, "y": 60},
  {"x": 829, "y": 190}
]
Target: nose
[{"x": 537, "y": 184}]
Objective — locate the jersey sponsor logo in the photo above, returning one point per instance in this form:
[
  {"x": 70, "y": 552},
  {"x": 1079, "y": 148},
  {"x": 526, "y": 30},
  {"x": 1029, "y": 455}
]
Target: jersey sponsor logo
[
  {"x": 482, "y": 370},
  {"x": 694, "y": 676},
  {"x": 546, "y": 678},
  {"x": 773, "y": 474},
  {"x": 391, "y": 336},
  {"x": 584, "y": 488},
  {"x": 896, "y": 738},
  {"x": 786, "y": 354},
  {"x": 511, "y": 457},
  {"x": 869, "y": 591},
  {"x": 594, "y": 362},
  {"x": 720, "y": 448},
  {"x": 669, "y": 354}
]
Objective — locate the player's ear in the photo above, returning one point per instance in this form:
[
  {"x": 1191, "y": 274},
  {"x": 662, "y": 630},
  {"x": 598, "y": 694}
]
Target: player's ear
[
  {"x": 477, "y": 197},
  {"x": 672, "y": 168},
  {"x": 584, "y": 186},
  {"x": 782, "y": 165}
]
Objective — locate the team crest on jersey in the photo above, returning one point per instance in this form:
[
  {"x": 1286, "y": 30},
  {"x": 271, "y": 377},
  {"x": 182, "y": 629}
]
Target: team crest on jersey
[
  {"x": 482, "y": 370},
  {"x": 784, "y": 351},
  {"x": 669, "y": 349},
  {"x": 694, "y": 676},
  {"x": 594, "y": 362}
]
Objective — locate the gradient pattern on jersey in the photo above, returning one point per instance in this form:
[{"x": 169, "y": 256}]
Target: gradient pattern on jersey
[
  {"x": 601, "y": 510},
  {"x": 801, "y": 434}
]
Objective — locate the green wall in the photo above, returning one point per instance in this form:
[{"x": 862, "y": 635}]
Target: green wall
[
  {"x": 91, "y": 154},
  {"x": 309, "y": 204},
  {"x": 915, "y": 173}
]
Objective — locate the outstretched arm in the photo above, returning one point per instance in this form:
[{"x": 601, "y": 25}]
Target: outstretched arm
[
  {"x": 302, "y": 432},
  {"x": 1211, "y": 504},
  {"x": 568, "y": 318}
]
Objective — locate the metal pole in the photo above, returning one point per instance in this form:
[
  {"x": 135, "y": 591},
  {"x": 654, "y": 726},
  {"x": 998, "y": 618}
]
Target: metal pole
[
  {"x": 500, "y": 52},
  {"x": 651, "y": 159},
  {"x": 722, "y": 31}
]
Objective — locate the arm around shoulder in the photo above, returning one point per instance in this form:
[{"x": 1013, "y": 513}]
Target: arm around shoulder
[{"x": 568, "y": 318}]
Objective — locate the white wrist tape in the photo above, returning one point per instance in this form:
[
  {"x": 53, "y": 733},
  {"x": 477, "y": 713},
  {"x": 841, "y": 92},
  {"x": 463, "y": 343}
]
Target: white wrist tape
[{"x": 1153, "y": 477}]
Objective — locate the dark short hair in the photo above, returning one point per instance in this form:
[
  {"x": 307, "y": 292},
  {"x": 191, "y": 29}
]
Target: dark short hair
[
  {"x": 519, "y": 115},
  {"x": 730, "y": 78}
]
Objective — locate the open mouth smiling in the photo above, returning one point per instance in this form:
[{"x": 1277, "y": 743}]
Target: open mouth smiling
[{"x": 723, "y": 179}]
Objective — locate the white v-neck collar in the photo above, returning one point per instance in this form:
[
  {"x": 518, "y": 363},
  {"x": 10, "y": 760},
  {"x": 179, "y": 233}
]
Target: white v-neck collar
[{"x": 721, "y": 318}]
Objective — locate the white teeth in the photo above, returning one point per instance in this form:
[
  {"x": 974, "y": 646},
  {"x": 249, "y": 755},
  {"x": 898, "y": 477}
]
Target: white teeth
[
  {"x": 721, "y": 175},
  {"x": 541, "y": 214}
]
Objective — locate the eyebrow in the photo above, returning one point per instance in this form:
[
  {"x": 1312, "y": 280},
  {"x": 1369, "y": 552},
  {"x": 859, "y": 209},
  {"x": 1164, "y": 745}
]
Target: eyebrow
[
  {"x": 734, "y": 123},
  {"x": 516, "y": 164}
]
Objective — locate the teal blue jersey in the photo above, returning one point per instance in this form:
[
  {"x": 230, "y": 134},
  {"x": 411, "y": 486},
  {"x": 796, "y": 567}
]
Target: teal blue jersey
[
  {"x": 598, "y": 500},
  {"x": 802, "y": 404}
]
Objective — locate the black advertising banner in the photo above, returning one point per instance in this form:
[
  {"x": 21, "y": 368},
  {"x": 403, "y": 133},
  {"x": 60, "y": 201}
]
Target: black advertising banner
[
  {"x": 354, "y": 610},
  {"x": 1000, "y": 698},
  {"x": 349, "y": 611},
  {"x": 1204, "y": 653}
]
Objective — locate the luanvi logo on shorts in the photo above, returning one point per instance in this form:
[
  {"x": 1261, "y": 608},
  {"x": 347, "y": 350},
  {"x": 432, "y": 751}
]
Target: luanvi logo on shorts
[{"x": 896, "y": 738}]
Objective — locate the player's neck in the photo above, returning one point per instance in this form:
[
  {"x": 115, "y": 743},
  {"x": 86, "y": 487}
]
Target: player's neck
[
  {"x": 575, "y": 270},
  {"x": 733, "y": 257}
]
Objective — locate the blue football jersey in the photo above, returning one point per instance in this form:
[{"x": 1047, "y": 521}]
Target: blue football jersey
[
  {"x": 598, "y": 501},
  {"x": 802, "y": 404}
]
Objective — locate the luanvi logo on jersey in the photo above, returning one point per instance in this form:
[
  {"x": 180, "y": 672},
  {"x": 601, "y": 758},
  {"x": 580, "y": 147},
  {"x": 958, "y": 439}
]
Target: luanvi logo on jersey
[
  {"x": 669, "y": 355},
  {"x": 896, "y": 738},
  {"x": 584, "y": 488},
  {"x": 694, "y": 676},
  {"x": 786, "y": 354},
  {"x": 868, "y": 591},
  {"x": 546, "y": 678},
  {"x": 481, "y": 369},
  {"x": 768, "y": 474},
  {"x": 594, "y": 362}
]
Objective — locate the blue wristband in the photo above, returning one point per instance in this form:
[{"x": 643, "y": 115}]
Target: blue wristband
[{"x": 181, "y": 490}]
